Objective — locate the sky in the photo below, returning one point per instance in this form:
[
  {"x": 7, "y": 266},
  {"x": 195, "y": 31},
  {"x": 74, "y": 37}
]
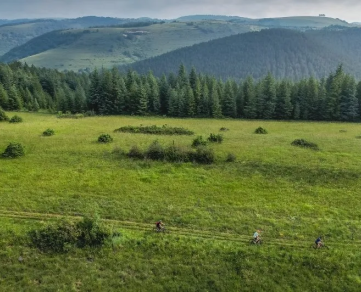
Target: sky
[{"x": 168, "y": 9}]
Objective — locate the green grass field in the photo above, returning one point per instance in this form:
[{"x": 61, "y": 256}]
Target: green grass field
[{"x": 292, "y": 194}]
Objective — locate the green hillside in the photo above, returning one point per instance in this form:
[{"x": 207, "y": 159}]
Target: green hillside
[
  {"x": 111, "y": 46},
  {"x": 292, "y": 194},
  {"x": 301, "y": 22},
  {"x": 284, "y": 53},
  {"x": 17, "y": 32}
]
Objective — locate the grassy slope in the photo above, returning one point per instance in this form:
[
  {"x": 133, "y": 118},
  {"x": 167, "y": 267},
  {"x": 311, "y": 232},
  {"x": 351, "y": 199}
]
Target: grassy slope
[
  {"x": 303, "y": 21},
  {"x": 292, "y": 194},
  {"x": 108, "y": 46}
]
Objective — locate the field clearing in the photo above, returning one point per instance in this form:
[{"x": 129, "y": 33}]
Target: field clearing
[{"x": 292, "y": 194}]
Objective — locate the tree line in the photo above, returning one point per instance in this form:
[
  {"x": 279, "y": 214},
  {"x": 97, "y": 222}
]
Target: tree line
[{"x": 110, "y": 92}]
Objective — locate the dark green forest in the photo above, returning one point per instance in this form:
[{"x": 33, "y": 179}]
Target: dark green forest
[
  {"x": 285, "y": 53},
  {"x": 184, "y": 94}
]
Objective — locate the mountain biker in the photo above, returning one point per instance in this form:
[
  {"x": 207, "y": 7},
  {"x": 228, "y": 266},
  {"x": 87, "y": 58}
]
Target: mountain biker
[
  {"x": 159, "y": 225},
  {"x": 256, "y": 237},
  {"x": 318, "y": 242}
]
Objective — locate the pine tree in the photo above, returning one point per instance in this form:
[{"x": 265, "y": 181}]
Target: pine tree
[
  {"x": 182, "y": 78},
  {"x": 216, "y": 109},
  {"x": 94, "y": 92},
  {"x": 154, "y": 98},
  {"x": 311, "y": 99},
  {"x": 204, "y": 104},
  {"x": 283, "y": 108},
  {"x": 173, "y": 109},
  {"x": 348, "y": 100},
  {"x": 79, "y": 100},
  {"x": 164, "y": 97},
  {"x": 334, "y": 94},
  {"x": 143, "y": 101},
  {"x": 35, "y": 106},
  {"x": 14, "y": 100},
  {"x": 358, "y": 96},
  {"x": 269, "y": 96},
  {"x": 249, "y": 98},
  {"x": 4, "y": 99},
  {"x": 229, "y": 107}
]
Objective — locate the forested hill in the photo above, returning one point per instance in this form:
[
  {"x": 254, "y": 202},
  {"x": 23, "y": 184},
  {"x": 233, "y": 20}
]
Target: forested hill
[{"x": 284, "y": 53}]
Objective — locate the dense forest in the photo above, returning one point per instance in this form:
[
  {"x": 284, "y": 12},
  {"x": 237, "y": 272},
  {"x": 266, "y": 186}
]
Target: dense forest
[
  {"x": 285, "y": 53},
  {"x": 110, "y": 92}
]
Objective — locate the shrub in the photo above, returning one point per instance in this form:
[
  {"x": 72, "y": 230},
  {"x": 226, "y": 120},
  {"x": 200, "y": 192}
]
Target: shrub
[
  {"x": 3, "y": 116},
  {"x": 155, "y": 151},
  {"x": 305, "y": 144},
  {"x": 155, "y": 130},
  {"x": 48, "y": 132},
  {"x": 178, "y": 154},
  {"x": 91, "y": 232},
  {"x": 198, "y": 141},
  {"x": 231, "y": 157},
  {"x": 14, "y": 150},
  {"x": 69, "y": 115},
  {"x": 118, "y": 152},
  {"x": 204, "y": 155},
  {"x": 105, "y": 138},
  {"x": 260, "y": 130},
  {"x": 135, "y": 152},
  {"x": 59, "y": 238},
  {"x": 16, "y": 119},
  {"x": 223, "y": 129},
  {"x": 215, "y": 138}
]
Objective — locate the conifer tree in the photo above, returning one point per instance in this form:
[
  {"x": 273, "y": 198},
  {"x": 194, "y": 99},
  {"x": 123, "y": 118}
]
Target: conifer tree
[
  {"x": 249, "y": 98},
  {"x": 4, "y": 99},
  {"x": 283, "y": 108},
  {"x": 229, "y": 108},
  {"x": 203, "y": 109},
  {"x": 348, "y": 100}
]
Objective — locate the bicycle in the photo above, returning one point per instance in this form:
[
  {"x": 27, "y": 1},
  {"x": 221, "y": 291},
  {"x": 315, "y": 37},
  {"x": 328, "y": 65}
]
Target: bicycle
[
  {"x": 315, "y": 246},
  {"x": 254, "y": 242},
  {"x": 163, "y": 229}
]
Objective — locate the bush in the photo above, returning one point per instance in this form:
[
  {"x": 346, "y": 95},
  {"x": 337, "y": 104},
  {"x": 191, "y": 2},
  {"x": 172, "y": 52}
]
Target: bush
[
  {"x": 3, "y": 116},
  {"x": 64, "y": 235},
  {"x": 155, "y": 130},
  {"x": 199, "y": 142},
  {"x": 69, "y": 115},
  {"x": 48, "y": 132},
  {"x": 215, "y": 138},
  {"x": 204, "y": 155},
  {"x": 178, "y": 154},
  {"x": 304, "y": 144},
  {"x": 223, "y": 129},
  {"x": 231, "y": 157},
  {"x": 155, "y": 151},
  {"x": 91, "y": 232},
  {"x": 119, "y": 152},
  {"x": 59, "y": 238},
  {"x": 14, "y": 150},
  {"x": 105, "y": 138},
  {"x": 260, "y": 130},
  {"x": 136, "y": 153},
  {"x": 16, "y": 119}
]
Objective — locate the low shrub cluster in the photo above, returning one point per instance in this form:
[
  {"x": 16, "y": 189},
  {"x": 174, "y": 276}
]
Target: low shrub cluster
[
  {"x": 13, "y": 150},
  {"x": 69, "y": 115},
  {"x": 260, "y": 130},
  {"x": 64, "y": 235},
  {"x": 305, "y": 144},
  {"x": 198, "y": 141},
  {"x": 215, "y": 138},
  {"x": 3, "y": 116},
  {"x": 16, "y": 119},
  {"x": 105, "y": 138},
  {"x": 156, "y": 151},
  {"x": 231, "y": 157},
  {"x": 49, "y": 132},
  {"x": 155, "y": 130},
  {"x": 223, "y": 129}
]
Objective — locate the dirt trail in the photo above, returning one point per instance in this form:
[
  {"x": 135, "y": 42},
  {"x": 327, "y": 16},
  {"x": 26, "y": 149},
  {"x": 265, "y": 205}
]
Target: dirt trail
[{"x": 213, "y": 235}]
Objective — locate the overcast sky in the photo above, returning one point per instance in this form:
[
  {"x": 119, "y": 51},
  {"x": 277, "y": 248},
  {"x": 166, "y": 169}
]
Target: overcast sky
[{"x": 348, "y": 10}]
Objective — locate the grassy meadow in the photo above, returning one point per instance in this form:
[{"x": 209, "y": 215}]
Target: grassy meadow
[{"x": 292, "y": 194}]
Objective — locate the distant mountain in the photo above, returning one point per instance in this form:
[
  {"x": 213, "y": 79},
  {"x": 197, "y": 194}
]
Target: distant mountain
[
  {"x": 210, "y": 17},
  {"x": 117, "y": 45},
  {"x": 283, "y": 52},
  {"x": 17, "y": 32}
]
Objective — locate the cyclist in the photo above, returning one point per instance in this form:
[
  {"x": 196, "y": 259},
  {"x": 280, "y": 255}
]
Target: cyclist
[
  {"x": 319, "y": 242},
  {"x": 256, "y": 237},
  {"x": 159, "y": 225}
]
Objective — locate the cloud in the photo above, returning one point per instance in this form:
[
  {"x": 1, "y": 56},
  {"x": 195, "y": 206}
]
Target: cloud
[{"x": 347, "y": 9}]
